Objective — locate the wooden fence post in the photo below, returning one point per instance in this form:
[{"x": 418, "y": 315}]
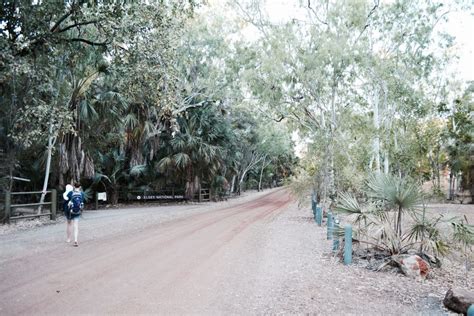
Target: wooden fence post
[
  {"x": 8, "y": 203},
  {"x": 54, "y": 204}
]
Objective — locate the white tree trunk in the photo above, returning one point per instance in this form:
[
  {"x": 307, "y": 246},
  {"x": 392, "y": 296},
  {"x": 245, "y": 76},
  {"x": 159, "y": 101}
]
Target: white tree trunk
[
  {"x": 332, "y": 139},
  {"x": 48, "y": 165},
  {"x": 232, "y": 185},
  {"x": 386, "y": 163},
  {"x": 261, "y": 174},
  {"x": 376, "y": 141}
]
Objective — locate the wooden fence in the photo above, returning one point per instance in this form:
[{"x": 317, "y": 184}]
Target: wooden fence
[
  {"x": 16, "y": 211},
  {"x": 204, "y": 195}
]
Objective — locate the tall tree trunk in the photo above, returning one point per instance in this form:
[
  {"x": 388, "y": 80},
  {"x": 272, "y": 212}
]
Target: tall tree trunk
[
  {"x": 261, "y": 174},
  {"x": 332, "y": 184},
  {"x": 376, "y": 141},
  {"x": 241, "y": 180},
  {"x": 48, "y": 165},
  {"x": 232, "y": 185},
  {"x": 112, "y": 194},
  {"x": 438, "y": 173},
  {"x": 450, "y": 193},
  {"x": 386, "y": 163},
  {"x": 472, "y": 183}
]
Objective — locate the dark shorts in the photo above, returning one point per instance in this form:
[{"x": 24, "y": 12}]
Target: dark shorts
[{"x": 68, "y": 214}]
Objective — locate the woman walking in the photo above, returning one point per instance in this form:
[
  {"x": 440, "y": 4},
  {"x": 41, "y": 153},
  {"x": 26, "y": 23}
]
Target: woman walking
[{"x": 73, "y": 205}]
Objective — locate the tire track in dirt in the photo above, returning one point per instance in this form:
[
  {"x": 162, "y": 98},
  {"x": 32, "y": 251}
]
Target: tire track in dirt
[
  {"x": 171, "y": 253},
  {"x": 188, "y": 225}
]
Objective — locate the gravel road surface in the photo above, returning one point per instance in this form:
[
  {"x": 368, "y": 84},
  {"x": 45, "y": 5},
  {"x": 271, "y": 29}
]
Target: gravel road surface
[{"x": 260, "y": 254}]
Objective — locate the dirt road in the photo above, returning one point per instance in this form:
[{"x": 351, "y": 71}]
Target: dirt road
[
  {"x": 169, "y": 267},
  {"x": 255, "y": 255}
]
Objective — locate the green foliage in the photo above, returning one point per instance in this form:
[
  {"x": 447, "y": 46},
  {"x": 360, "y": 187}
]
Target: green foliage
[
  {"x": 463, "y": 233},
  {"x": 460, "y": 136},
  {"x": 394, "y": 192},
  {"x": 379, "y": 220}
]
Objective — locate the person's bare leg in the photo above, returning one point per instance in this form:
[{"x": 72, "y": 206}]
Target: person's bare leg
[
  {"x": 76, "y": 230},
  {"x": 68, "y": 230}
]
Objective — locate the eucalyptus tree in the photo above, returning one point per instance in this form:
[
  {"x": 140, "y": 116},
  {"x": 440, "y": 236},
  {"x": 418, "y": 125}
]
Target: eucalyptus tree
[
  {"x": 275, "y": 146},
  {"x": 404, "y": 63},
  {"x": 459, "y": 136},
  {"x": 365, "y": 61},
  {"x": 305, "y": 71}
]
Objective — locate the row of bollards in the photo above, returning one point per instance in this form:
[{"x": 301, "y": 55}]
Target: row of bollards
[{"x": 333, "y": 229}]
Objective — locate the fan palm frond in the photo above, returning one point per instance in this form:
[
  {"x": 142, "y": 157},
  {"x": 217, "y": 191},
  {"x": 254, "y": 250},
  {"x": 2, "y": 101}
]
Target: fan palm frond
[
  {"x": 130, "y": 121},
  {"x": 182, "y": 160},
  {"x": 165, "y": 163},
  {"x": 396, "y": 192},
  {"x": 87, "y": 111},
  {"x": 348, "y": 204},
  {"x": 138, "y": 170}
]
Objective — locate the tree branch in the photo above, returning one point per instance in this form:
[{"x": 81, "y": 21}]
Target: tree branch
[
  {"x": 367, "y": 24},
  {"x": 75, "y": 25},
  {"x": 61, "y": 20},
  {"x": 83, "y": 40},
  {"x": 316, "y": 14},
  {"x": 251, "y": 20}
]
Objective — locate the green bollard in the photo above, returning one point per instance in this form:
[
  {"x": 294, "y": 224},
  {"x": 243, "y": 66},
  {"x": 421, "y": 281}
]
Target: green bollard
[
  {"x": 470, "y": 310},
  {"x": 329, "y": 224},
  {"x": 319, "y": 215},
  {"x": 347, "y": 244}
]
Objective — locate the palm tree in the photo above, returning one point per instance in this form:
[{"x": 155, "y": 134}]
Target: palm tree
[
  {"x": 381, "y": 220},
  {"x": 389, "y": 198},
  {"x": 195, "y": 153},
  {"x": 395, "y": 194}
]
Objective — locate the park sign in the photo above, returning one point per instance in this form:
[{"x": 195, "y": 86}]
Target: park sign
[{"x": 157, "y": 196}]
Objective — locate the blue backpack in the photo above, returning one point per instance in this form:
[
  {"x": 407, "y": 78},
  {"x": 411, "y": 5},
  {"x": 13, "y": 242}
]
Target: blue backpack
[{"x": 77, "y": 203}]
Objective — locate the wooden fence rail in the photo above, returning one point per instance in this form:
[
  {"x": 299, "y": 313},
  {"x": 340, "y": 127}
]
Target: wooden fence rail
[{"x": 8, "y": 214}]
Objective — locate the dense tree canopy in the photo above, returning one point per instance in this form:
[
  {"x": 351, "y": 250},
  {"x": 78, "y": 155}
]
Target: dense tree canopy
[
  {"x": 183, "y": 94},
  {"x": 124, "y": 95}
]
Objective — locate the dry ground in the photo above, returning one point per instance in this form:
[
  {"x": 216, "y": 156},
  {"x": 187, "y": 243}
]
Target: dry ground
[{"x": 257, "y": 255}]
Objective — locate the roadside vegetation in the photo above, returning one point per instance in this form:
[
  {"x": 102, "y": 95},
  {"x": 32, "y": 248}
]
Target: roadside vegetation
[
  {"x": 128, "y": 96},
  {"x": 188, "y": 94}
]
